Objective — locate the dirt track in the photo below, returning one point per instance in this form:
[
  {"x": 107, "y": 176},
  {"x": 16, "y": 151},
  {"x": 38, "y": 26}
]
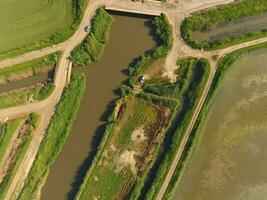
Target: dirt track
[{"x": 175, "y": 12}]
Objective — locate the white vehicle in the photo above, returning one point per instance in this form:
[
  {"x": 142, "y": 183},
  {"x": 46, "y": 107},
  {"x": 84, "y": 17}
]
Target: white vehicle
[
  {"x": 87, "y": 28},
  {"x": 141, "y": 79}
]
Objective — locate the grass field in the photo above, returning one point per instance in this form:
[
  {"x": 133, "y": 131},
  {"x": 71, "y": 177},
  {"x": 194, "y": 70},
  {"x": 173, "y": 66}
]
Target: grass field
[
  {"x": 20, "y": 148},
  {"x": 133, "y": 137},
  {"x": 7, "y": 131},
  {"x": 27, "y": 25}
]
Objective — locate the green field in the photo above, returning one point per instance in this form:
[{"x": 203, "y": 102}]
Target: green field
[
  {"x": 32, "y": 24},
  {"x": 26, "y": 133},
  {"x": 7, "y": 131},
  {"x": 131, "y": 142}
]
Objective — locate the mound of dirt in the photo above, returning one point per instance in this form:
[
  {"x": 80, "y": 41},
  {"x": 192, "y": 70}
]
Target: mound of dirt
[
  {"x": 138, "y": 135},
  {"x": 127, "y": 159}
]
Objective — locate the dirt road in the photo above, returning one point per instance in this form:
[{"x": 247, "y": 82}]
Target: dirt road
[{"x": 175, "y": 12}]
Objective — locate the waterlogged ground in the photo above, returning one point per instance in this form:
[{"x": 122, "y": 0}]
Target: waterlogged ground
[
  {"x": 234, "y": 28},
  {"x": 230, "y": 160}
]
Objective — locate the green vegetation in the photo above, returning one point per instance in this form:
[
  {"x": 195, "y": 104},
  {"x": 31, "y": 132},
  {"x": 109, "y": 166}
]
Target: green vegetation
[
  {"x": 92, "y": 48},
  {"x": 26, "y": 135},
  {"x": 224, "y": 64},
  {"x": 163, "y": 31},
  {"x": 192, "y": 77},
  {"x": 57, "y": 133},
  {"x": 29, "y": 68},
  {"x": 23, "y": 96},
  {"x": 208, "y": 19},
  {"x": 34, "y": 93},
  {"x": 37, "y": 24},
  {"x": 135, "y": 130},
  {"x": 7, "y": 131},
  {"x": 108, "y": 176}
]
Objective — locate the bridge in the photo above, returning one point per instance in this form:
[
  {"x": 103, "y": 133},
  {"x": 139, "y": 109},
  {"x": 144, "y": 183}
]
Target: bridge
[{"x": 133, "y": 10}]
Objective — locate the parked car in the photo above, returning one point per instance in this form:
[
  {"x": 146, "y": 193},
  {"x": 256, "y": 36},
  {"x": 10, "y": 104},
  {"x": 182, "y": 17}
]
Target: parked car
[
  {"x": 142, "y": 79},
  {"x": 87, "y": 28}
]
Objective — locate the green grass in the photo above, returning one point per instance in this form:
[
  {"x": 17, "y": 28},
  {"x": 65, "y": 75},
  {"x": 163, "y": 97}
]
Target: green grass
[
  {"x": 7, "y": 132},
  {"x": 192, "y": 77},
  {"x": 132, "y": 112},
  {"x": 22, "y": 97},
  {"x": 32, "y": 123},
  {"x": 31, "y": 67},
  {"x": 57, "y": 133},
  {"x": 92, "y": 48},
  {"x": 26, "y": 26},
  {"x": 208, "y": 19}
]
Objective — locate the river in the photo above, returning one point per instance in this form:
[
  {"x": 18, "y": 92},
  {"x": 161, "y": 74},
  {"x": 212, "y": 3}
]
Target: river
[{"x": 130, "y": 37}]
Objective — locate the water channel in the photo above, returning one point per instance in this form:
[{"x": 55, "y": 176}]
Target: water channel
[
  {"x": 234, "y": 28},
  {"x": 230, "y": 159},
  {"x": 130, "y": 37},
  {"x": 24, "y": 83}
]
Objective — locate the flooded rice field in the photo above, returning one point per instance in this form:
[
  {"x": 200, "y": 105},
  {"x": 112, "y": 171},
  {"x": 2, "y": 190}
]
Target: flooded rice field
[
  {"x": 129, "y": 38},
  {"x": 234, "y": 28},
  {"x": 230, "y": 159}
]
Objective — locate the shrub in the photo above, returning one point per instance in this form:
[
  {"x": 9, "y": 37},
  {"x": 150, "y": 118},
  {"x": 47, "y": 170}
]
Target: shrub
[{"x": 92, "y": 48}]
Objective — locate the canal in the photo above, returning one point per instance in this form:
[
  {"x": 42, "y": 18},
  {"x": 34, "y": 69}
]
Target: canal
[
  {"x": 230, "y": 159},
  {"x": 26, "y": 82},
  {"x": 233, "y": 28},
  {"x": 130, "y": 37}
]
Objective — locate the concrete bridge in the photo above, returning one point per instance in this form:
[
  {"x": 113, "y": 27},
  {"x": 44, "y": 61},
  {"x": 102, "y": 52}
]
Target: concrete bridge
[{"x": 133, "y": 10}]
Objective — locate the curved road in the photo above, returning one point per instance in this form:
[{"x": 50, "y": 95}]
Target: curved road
[{"x": 175, "y": 13}]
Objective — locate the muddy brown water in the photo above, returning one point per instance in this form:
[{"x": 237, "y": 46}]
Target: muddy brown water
[
  {"x": 27, "y": 82},
  {"x": 236, "y": 27},
  {"x": 229, "y": 161},
  {"x": 129, "y": 38}
]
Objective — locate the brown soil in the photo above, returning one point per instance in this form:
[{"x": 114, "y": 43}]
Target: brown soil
[{"x": 155, "y": 70}]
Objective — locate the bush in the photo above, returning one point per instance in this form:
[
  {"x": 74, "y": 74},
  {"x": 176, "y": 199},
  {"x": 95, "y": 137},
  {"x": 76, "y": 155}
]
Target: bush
[
  {"x": 57, "y": 133},
  {"x": 163, "y": 31},
  {"x": 191, "y": 94},
  {"x": 92, "y": 48}
]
